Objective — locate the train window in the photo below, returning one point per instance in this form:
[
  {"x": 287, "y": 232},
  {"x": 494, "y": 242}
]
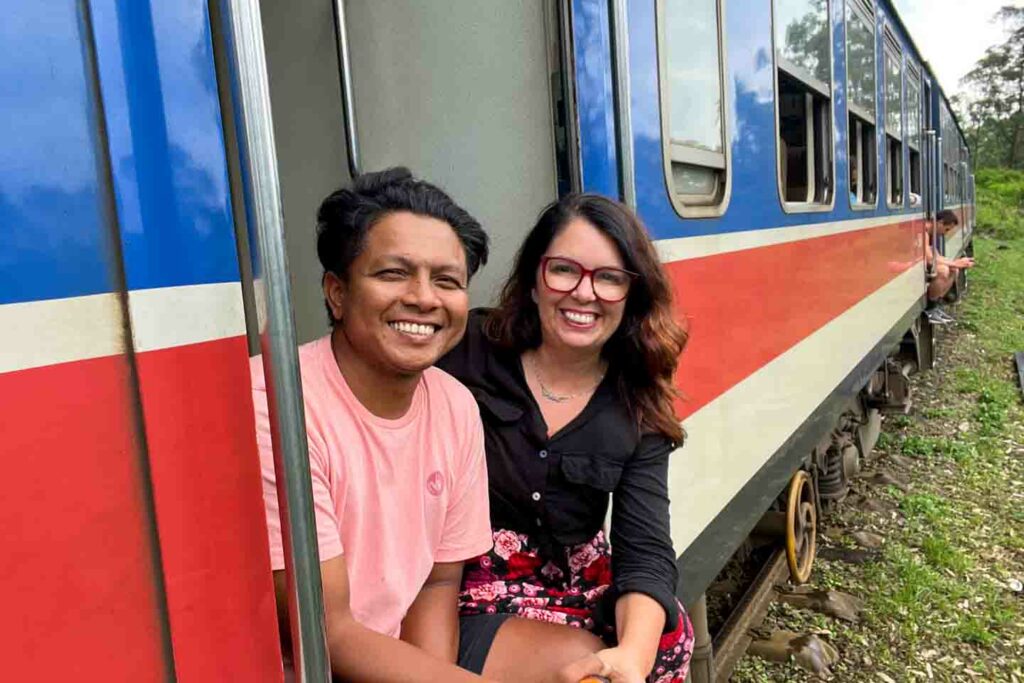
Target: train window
[
  {"x": 804, "y": 87},
  {"x": 693, "y": 114},
  {"x": 860, "y": 101},
  {"x": 913, "y": 137},
  {"x": 893, "y": 120}
]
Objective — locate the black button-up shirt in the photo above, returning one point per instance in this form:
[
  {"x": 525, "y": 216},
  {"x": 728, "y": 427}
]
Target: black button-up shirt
[{"x": 556, "y": 488}]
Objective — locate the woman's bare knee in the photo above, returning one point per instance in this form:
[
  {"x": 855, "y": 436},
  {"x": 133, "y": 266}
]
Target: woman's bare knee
[{"x": 534, "y": 651}]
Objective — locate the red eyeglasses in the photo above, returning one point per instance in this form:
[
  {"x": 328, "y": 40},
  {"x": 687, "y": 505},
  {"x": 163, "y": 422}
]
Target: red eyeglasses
[{"x": 564, "y": 275}]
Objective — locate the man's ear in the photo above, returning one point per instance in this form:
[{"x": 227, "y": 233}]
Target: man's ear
[{"x": 334, "y": 294}]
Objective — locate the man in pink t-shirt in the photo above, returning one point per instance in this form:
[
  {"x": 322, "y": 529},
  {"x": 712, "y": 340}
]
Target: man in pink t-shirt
[{"x": 395, "y": 446}]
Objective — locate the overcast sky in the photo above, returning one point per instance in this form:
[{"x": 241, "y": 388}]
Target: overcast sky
[{"x": 953, "y": 34}]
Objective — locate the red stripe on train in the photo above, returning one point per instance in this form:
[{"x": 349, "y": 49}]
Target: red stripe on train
[
  {"x": 199, "y": 427},
  {"x": 79, "y": 581},
  {"x": 745, "y": 308}
]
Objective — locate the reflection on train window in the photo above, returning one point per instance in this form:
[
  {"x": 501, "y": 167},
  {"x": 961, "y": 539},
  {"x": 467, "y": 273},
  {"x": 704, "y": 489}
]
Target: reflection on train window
[
  {"x": 860, "y": 101},
  {"x": 804, "y": 81},
  {"x": 913, "y": 136},
  {"x": 693, "y": 115},
  {"x": 893, "y": 120}
]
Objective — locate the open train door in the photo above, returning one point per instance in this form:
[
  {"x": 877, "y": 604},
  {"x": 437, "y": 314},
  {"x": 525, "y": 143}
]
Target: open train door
[{"x": 464, "y": 95}]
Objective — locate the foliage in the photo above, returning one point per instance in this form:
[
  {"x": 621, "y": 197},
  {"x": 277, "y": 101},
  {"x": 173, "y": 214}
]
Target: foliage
[
  {"x": 1000, "y": 202},
  {"x": 995, "y": 101}
]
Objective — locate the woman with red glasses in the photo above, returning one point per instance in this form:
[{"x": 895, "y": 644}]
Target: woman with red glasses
[{"x": 573, "y": 372}]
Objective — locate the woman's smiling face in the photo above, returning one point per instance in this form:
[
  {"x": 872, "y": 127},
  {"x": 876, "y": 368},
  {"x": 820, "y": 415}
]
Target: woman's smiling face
[{"x": 578, "y": 319}]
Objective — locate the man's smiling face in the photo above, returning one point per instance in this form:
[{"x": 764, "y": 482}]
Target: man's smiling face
[{"x": 404, "y": 304}]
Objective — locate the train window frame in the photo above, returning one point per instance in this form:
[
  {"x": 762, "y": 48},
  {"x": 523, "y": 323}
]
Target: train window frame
[
  {"x": 895, "y": 147},
  {"x": 857, "y": 117},
  {"x": 946, "y": 130},
  {"x": 912, "y": 79},
  {"x": 813, "y": 87},
  {"x": 714, "y": 204}
]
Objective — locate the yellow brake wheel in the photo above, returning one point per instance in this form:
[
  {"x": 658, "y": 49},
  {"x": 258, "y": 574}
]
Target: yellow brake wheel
[{"x": 801, "y": 527}]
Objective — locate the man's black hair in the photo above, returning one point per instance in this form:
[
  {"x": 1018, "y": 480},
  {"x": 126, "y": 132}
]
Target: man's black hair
[
  {"x": 947, "y": 216},
  {"x": 345, "y": 217}
]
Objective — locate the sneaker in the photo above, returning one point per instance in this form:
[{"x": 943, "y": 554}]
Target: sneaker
[{"x": 938, "y": 317}]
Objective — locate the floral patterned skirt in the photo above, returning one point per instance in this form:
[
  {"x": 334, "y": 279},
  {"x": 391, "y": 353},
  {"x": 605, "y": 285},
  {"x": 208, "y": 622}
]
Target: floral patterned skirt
[{"x": 516, "y": 578}]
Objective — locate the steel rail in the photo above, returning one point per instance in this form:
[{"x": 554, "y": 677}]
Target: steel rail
[
  {"x": 734, "y": 637},
  {"x": 262, "y": 194}
]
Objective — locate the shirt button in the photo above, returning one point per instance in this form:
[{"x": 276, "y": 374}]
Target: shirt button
[
  {"x": 543, "y": 454},
  {"x": 539, "y": 523},
  {"x": 535, "y": 496}
]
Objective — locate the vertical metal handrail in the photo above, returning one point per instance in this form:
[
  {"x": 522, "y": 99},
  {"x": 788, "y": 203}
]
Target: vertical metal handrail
[
  {"x": 568, "y": 66},
  {"x": 928, "y": 194},
  {"x": 252, "y": 112},
  {"x": 623, "y": 113},
  {"x": 929, "y": 174},
  {"x": 347, "y": 89},
  {"x": 936, "y": 194}
]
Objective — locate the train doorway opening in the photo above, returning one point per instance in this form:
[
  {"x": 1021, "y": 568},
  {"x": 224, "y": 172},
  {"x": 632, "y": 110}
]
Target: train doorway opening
[{"x": 495, "y": 132}]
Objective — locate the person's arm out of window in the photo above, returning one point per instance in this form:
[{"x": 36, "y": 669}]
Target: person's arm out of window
[
  {"x": 358, "y": 653},
  {"x": 432, "y": 622}
]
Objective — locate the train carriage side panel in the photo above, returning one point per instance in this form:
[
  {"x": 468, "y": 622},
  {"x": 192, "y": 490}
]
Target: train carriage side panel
[
  {"x": 83, "y": 587},
  {"x": 188, "y": 336}
]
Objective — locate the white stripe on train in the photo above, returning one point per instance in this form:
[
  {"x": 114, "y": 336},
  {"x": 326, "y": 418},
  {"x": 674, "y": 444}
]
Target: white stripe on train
[
  {"x": 41, "y": 333},
  {"x": 54, "y": 331},
  {"x": 175, "y": 316}
]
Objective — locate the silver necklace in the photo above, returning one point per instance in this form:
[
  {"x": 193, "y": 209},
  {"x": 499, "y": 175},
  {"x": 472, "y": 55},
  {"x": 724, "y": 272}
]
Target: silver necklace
[{"x": 559, "y": 398}]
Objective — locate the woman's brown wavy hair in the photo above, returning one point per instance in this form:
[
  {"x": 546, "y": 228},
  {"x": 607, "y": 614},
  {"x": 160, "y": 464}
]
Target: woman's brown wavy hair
[{"x": 644, "y": 350}]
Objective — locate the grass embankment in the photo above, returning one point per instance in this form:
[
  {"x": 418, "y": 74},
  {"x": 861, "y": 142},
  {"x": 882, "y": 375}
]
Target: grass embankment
[{"x": 942, "y": 602}]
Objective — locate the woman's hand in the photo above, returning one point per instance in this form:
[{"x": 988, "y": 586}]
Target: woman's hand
[
  {"x": 614, "y": 664},
  {"x": 623, "y": 665}
]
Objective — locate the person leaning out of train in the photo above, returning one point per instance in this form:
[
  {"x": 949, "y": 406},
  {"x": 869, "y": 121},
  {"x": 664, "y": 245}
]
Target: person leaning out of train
[
  {"x": 946, "y": 270},
  {"x": 396, "y": 448},
  {"x": 573, "y": 371}
]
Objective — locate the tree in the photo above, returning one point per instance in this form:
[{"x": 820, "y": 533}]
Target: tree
[{"x": 995, "y": 105}]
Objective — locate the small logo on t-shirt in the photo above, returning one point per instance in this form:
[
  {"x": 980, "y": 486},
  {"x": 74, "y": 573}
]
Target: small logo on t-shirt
[{"x": 435, "y": 483}]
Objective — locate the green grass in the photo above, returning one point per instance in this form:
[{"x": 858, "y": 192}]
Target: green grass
[
  {"x": 900, "y": 421},
  {"x": 927, "y": 506},
  {"x": 942, "y": 554},
  {"x": 1000, "y": 203},
  {"x": 937, "y": 412},
  {"x": 925, "y": 446}
]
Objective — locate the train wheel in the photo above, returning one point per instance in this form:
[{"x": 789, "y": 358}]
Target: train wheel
[{"x": 801, "y": 527}]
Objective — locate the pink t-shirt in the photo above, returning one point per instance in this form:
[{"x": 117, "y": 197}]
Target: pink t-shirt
[{"x": 395, "y": 496}]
